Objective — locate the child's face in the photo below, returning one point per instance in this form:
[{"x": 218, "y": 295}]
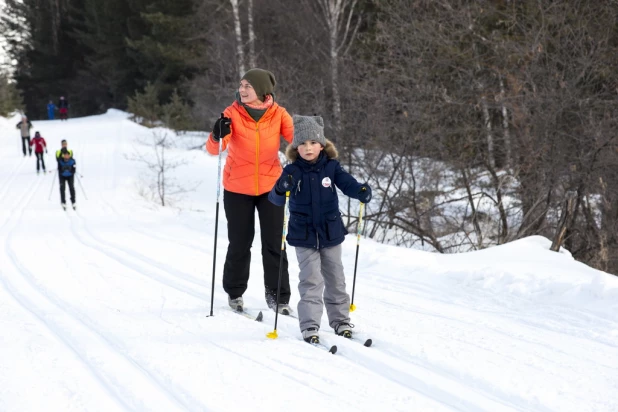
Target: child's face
[
  {"x": 310, "y": 150},
  {"x": 66, "y": 157}
]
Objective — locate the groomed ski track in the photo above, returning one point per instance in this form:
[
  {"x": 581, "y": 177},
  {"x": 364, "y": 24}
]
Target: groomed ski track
[{"x": 104, "y": 309}]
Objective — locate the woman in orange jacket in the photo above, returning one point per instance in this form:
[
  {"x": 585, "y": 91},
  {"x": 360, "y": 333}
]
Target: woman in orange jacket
[{"x": 251, "y": 130}]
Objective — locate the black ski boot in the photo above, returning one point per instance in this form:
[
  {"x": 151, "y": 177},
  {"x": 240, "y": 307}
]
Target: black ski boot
[{"x": 271, "y": 301}]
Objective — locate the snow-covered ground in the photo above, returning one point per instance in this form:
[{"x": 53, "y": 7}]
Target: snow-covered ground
[{"x": 104, "y": 309}]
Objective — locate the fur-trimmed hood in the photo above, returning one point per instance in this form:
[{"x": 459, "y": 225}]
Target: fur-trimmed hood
[{"x": 330, "y": 150}]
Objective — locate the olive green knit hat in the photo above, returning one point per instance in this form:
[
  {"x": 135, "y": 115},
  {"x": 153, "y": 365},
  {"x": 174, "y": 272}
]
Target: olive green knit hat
[{"x": 263, "y": 82}]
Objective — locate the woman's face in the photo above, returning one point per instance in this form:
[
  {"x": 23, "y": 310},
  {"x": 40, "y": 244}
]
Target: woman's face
[{"x": 247, "y": 93}]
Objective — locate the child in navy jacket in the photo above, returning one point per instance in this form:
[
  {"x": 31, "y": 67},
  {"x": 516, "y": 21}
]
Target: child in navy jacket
[
  {"x": 66, "y": 174},
  {"x": 315, "y": 228}
]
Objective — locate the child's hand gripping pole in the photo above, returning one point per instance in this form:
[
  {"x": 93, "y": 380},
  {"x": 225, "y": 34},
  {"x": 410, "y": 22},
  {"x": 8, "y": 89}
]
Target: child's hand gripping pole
[
  {"x": 273, "y": 334},
  {"x": 359, "y": 228}
]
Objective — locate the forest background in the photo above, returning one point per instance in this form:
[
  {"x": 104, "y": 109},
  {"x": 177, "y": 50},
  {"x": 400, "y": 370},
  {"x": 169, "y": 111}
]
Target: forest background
[{"x": 476, "y": 122}]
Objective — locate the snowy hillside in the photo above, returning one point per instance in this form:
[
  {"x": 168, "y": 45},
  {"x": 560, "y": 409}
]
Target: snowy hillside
[{"x": 104, "y": 309}]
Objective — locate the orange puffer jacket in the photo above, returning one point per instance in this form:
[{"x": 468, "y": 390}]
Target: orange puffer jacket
[{"x": 252, "y": 166}]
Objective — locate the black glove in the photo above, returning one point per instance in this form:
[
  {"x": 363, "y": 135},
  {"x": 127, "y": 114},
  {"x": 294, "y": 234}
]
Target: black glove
[
  {"x": 364, "y": 194},
  {"x": 284, "y": 184},
  {"x": 221, "y": 128}
]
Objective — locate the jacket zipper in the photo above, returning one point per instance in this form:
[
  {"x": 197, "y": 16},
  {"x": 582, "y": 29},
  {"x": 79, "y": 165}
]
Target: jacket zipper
[
  {"x": 257, "y": 157},
  {"x": 257, "y": 151}
]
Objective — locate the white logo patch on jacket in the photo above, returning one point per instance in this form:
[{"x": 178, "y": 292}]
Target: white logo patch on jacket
[{"x": 326, "y": 182}]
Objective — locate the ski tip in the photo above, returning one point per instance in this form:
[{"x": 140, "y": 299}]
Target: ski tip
[
  {"x": 368, "y": 343},
  {"x": 259, "y": 317},
  {"x": 333, "y": 349}
]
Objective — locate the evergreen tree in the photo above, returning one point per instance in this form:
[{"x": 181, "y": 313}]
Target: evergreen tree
[
  {"x": 160, "y": 52},
  {"x": 10, "y": 98},
  {"x": 107, "y": 75},
  {"x": 145, "y": 106},
  {"x": 47, "y": 57},
  {"x": 147, "y": 111},
  {"x": 177, "y": 114},
  {"x": 96, "y": 53}
]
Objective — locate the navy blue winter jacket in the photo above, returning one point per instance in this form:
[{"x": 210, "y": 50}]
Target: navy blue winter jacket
[
  {"x": 315, "y": 219},
  {"x": 66, "y": 168}
]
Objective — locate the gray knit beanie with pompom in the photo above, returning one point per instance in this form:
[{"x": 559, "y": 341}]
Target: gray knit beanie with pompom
[{"x": 308, "y": 128}]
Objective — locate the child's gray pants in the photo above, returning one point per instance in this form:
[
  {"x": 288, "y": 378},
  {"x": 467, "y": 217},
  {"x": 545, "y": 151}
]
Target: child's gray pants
[{"x": 321, "y": 273}]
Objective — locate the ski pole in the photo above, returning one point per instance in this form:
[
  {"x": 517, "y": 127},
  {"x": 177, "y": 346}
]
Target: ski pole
[
  {"x": 358, "y": 237},
  {"x": 52, "y": 186},
  {"x": 214, "y": 253},
  {"x": 80, "y": 185},
  {"x": 273, "y": 334}
]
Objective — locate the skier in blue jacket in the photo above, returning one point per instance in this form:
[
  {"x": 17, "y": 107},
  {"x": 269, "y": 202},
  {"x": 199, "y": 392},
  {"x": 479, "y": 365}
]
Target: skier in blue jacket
[
  {"x": 66, "y": 174},
  {"x": 51, "y": 110},
  {"x": 315, "y": 228}
]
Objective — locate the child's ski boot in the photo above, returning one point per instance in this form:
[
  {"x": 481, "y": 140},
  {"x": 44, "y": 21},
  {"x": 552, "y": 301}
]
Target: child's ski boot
[
  {"x": 345, "y": 330},
  {"x": 311, "y": 336}
]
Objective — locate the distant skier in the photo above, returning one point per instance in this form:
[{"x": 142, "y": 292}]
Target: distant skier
[
  {"x": 316, "y": 229},
  {"x": 40, "y": 146},
  {"x": 51, "y": 110},
  {"x": 66, "y": 174},
  {"x": 24, "y": 127},
  {"x": 63, "y": 108},
  {"x": 64, "y": 145}
]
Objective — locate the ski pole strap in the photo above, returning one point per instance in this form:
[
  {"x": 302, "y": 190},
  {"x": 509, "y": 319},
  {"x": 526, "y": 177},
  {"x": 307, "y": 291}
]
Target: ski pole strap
[
  {"x": 359, "y": 227},
  {"x": 285, "y": 219}
]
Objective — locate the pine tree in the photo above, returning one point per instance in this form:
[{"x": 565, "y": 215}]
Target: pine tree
[
  {"x": 108, "y": 74},
  {"x": 160, "y": 51},
  {"x": 47, "y": 58},
  {"x": 10, "y": 98},
  {"x": 145, "y": 106},
  {"x": 177, "y": 114}
]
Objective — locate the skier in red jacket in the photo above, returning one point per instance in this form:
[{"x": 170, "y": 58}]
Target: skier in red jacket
[{"x": 39, "y": 147}]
